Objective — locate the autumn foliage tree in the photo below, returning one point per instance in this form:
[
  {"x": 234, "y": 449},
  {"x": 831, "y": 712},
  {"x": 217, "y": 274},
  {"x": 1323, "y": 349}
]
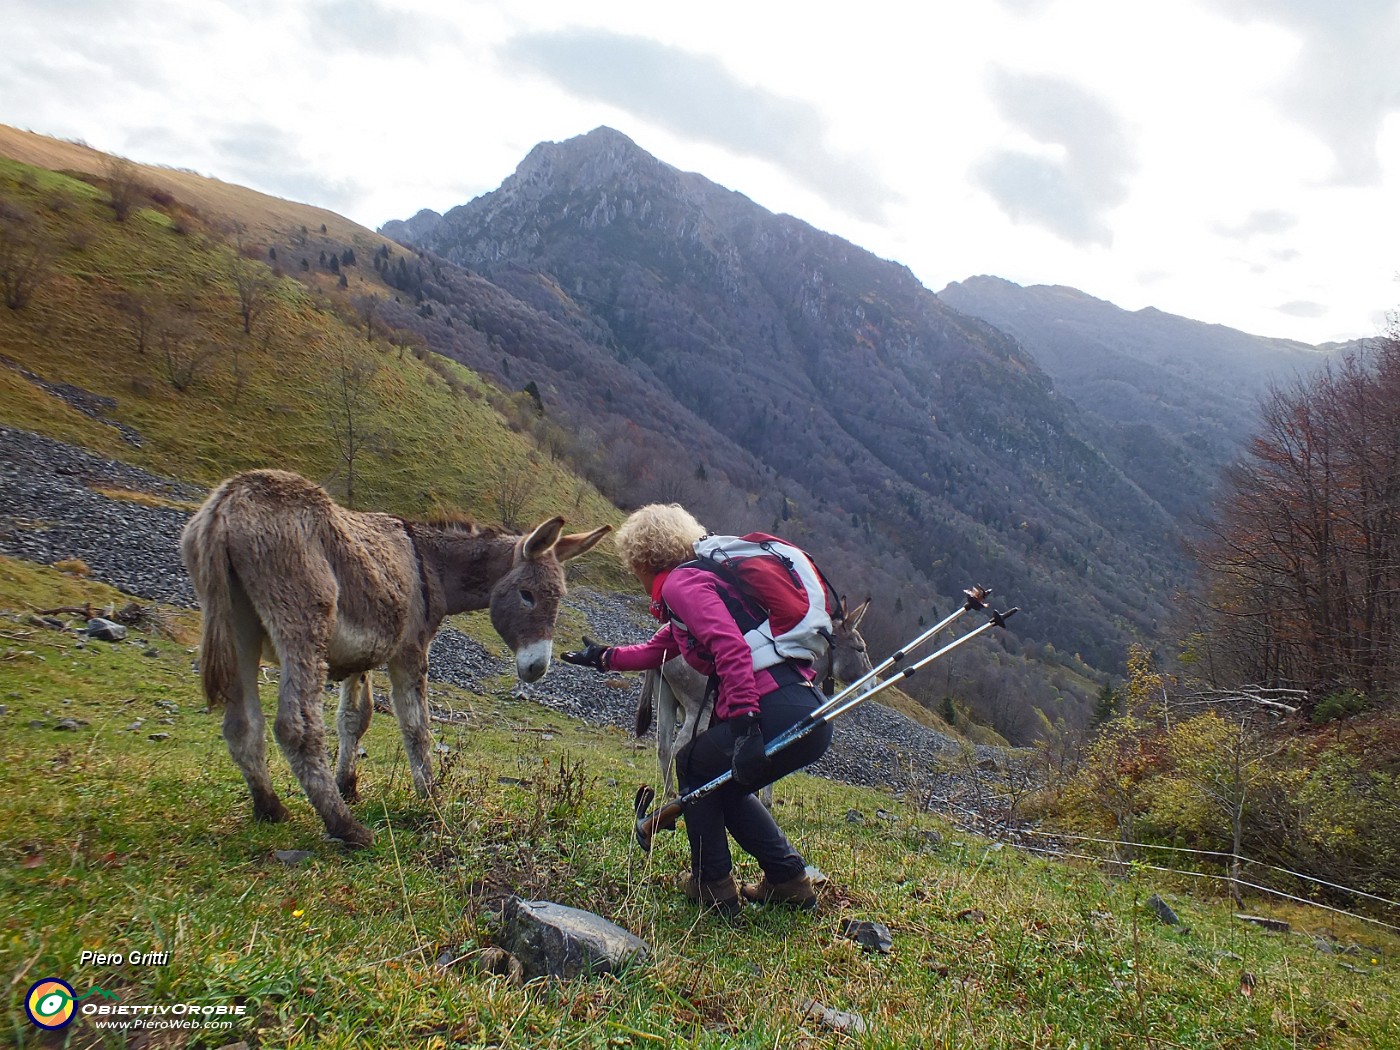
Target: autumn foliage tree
[{"x": 1303, "y": 561}]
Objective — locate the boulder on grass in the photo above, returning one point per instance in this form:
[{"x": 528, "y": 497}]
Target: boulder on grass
[{"x": 554, "y": 940}]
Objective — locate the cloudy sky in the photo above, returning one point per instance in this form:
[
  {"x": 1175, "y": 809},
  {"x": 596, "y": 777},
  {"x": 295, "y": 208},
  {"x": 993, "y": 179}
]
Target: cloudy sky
[{"x": 1235, "y": 161}]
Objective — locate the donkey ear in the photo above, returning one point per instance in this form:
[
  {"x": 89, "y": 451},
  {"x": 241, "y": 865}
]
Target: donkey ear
[
  {"x": 572, "y": 546},
  {"x": 853, "y": 618},
  {"x": 542, "y": 538}
]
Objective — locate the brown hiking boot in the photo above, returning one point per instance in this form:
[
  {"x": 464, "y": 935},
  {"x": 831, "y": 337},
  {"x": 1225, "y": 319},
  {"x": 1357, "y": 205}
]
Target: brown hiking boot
[
  {"x": 798, "y": 892},
  {"x": 720, "y": 894}
]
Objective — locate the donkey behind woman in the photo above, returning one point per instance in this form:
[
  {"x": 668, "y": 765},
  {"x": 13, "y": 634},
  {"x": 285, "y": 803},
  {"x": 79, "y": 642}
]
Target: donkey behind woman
[
  {"x": 281, "y": 570},
  {"x": 676, "y": 692}
]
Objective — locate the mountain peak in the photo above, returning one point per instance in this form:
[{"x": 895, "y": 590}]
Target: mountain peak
[{"x": 602, "y": 155}]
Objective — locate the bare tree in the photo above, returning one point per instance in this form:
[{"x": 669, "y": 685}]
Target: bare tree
[
  {"x": 253, "y": 282},
  {"x": 145, "y": 313},
  {"x": 1304, "y": 560},
  {"x": 510, "y": 490},
  {"x": 27, "y": 254},
  {"x": 366, "y": 307},
  {"x": 181, "y": 355},
  {"x": 124, "y": 187},
  {"x": 350, "y": 403}
]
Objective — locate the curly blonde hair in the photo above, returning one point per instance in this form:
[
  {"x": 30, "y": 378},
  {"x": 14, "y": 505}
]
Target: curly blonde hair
[{"x": 657, "y": 537}]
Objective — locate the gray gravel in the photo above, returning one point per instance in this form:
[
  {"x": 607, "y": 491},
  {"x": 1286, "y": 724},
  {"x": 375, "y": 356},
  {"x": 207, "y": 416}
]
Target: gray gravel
[{"x": 49, "y": 512}]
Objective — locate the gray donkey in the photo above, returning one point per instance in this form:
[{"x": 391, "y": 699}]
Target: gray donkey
[
  {"x": 676, "y": 692},
  {"x": 283, "y": 572}
]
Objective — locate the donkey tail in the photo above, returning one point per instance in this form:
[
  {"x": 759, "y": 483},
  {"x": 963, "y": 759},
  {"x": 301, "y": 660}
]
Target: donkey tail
[
  {"x": 204, "y": 548},
  {"x": 646, "y": 699}
]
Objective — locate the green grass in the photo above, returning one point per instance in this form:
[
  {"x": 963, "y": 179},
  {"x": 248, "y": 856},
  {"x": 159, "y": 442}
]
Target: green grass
[{"x": 112, "y": 841}]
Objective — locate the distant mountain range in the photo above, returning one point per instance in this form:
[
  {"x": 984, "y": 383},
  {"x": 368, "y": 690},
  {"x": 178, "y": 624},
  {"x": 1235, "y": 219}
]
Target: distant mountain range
[
  {"x": 1170, "y": 401},
  {"x": 1037, "y": 439}
]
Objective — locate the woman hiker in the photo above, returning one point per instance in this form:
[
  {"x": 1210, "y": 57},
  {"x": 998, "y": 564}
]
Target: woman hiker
[{"x": 752, "y": 707}]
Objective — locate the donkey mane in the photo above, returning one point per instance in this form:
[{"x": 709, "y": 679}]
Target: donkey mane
[{"x": 454, "y": 522}]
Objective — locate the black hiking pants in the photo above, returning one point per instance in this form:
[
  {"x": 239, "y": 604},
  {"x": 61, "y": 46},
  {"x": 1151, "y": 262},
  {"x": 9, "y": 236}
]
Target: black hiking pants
[{"x": 734, "y": 809}]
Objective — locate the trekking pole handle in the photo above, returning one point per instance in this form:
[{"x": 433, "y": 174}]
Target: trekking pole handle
[
  {"x": 976, "y": 599},
  {"x": 648, "y": 824},
  {"x": 664, "y": 819},
  {"x": 829, "y": 712}
]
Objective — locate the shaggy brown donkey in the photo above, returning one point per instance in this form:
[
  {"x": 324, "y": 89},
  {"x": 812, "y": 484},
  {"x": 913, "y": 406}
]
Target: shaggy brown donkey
[{"x": 285, "y": 573}]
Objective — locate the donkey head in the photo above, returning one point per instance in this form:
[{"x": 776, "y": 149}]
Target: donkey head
[
  {"x": 849, "y": 660},
  {"x": 525, "y": 601}
]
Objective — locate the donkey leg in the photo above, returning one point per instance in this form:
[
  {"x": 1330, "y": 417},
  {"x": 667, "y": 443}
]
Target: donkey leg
[
  {"x": 408, "y": 681},
  {"x": 245, "y": 731},
  {"x": 351, "y": 720},
  {"x": 665, "y": 701},
  {"x": 301, "y": 734}
]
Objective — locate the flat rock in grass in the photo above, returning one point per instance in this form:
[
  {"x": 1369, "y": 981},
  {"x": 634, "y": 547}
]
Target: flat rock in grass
[
  {"x": 872, "y": 936},
  {"x": 554, "y": 940},
  {"x": 293, "y": 857},
  {"x": 105, "y": 630},
  {"x": 1277, "y": 925},
  {"x": 928, "y": 841},
  {"x": 1362, "y": 970},
  {"x": 1162, "y": 910},
  {"x": 836, "y": 1020}
]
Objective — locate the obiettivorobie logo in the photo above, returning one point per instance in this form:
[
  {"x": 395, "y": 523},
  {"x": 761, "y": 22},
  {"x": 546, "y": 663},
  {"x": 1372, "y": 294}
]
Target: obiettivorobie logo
[{"x": 52, "y": 1004}]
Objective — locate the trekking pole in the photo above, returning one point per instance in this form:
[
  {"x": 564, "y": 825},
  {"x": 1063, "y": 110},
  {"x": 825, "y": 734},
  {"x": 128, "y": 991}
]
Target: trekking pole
[
  {"x": 664, "y": 819},
  {"x": 976, "y": 599}
]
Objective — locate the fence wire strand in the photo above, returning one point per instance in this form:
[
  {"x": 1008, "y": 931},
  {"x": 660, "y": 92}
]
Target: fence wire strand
[
  {"x": 1064, "y": 855},
  {"x": 1225, "y": 856}
]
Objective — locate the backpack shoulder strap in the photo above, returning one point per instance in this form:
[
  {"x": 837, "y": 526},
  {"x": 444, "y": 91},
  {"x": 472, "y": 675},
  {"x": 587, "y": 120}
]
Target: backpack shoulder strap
[{"x": 746, "y": 612}]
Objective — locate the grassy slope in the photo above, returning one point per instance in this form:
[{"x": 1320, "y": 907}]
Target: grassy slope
[
  {"x": 112, "y": 841},
  {"x": 258, "y": 212},
  {"x": 442, "y": 445}
]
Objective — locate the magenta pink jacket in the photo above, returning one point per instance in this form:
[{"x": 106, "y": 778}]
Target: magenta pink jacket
[{"x": 709, "y": 640}]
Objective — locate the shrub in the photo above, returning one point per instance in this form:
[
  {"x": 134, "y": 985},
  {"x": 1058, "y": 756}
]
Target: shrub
[{"x": 1341, "y": 704}]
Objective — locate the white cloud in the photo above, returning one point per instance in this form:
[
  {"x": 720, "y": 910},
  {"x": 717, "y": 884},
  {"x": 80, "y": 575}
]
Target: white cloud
[
  {"x": 1071, "y": 192},
  {"x": 1213, "y": 158},
  {"x": 695, "y": 96}
]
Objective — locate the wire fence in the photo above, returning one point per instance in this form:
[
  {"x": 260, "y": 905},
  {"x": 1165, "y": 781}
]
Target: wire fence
[
  {"x": 1055, "y": 851},
  {"x": 948, "y": 807}
]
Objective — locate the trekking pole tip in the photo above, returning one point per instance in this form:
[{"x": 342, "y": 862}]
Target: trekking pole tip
[{"x": 976, "y": 597}]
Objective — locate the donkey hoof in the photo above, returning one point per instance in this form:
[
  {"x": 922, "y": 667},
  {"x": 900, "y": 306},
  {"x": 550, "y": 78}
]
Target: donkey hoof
[
  {"x": 270, "y": 813},
  {"x": 354, "y": 836}
]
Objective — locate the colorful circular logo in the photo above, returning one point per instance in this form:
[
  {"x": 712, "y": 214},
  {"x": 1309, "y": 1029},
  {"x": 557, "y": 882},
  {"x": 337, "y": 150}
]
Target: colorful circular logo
[{"x": 50, "y": 1003}]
